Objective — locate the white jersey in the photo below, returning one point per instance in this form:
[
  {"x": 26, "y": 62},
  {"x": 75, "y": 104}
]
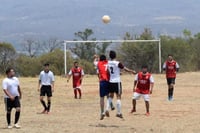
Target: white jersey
[
  {"x": 11, "y": 85},
  {"x": 114, "y": 70},
  {"x": 46, "y": 78}
]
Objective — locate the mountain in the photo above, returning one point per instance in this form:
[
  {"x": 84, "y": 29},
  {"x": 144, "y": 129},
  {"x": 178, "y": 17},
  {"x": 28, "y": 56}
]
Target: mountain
[{"x": 43, "y": 19}]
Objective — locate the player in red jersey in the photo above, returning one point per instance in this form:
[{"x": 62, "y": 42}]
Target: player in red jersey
[
  {"x": 103, "y": 75},
  {"x": 77, "y": 74},
  {"x": 143, "y": 86},
  {"x": 171, "y": 67}
]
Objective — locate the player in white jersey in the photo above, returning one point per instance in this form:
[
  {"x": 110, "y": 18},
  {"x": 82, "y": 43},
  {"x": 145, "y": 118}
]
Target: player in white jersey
[
  {"x": 12, "y": 96},
  {"x": 115, "y": 86},
  {"x": 46, "y": 87}
]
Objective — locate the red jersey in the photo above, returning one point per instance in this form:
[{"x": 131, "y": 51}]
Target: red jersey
[
  {"x": 103, "y": 72},
  {"x": 170, "y": 68},
  {"x": 76, "y": 76},
  {"x": 143, "y": 83}
]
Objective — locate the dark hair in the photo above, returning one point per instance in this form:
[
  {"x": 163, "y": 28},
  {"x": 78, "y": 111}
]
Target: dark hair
[
  {"x": 8, "y": 70},
  {"x": 75, "y": 62},
  {"x": 46, "y": 64},
  {"x": 102, "y": 58},
  {"x": 170, "y": 55},
  {"x": 144, "y": 66},
  {"x": 112, "y": 54}
]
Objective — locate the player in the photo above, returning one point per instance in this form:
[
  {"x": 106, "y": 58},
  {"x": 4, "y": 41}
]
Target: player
[
  {"x": 103, "y": 76},
  {"x": 143, "y": 86},
  {"x": 46, "y": 87},
  {"x": 12, "y": 97},
  {"x": 170, "y": 67},
  {"x": 77, "y": 74},
  {"x": 115, "y": 86}
]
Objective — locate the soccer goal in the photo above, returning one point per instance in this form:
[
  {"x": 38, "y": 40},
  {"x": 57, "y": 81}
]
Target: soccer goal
[{"x": 112, "y": 41}]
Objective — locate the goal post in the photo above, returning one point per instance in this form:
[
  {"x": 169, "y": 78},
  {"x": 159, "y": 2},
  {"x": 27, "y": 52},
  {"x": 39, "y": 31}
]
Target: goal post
[{"x": 111, "y": 41}]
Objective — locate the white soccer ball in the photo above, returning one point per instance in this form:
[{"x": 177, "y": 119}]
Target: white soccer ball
[{"x": 106, "y": 19}]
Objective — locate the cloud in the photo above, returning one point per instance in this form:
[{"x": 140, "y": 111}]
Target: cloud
[{"x": 169, "y": 18}]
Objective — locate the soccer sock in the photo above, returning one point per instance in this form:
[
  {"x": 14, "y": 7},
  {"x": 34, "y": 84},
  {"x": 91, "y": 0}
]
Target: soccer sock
[
  {"x": 75, "y": 93},
  {"x": 118, "y": 106},
  {"x": 79, "y": 91},
  {"x": 17, "y": 115},
  {"x": 49, "y": 106},
  {"x": 108, "y": 103},
  {"x": 44, "y": 104},
  {"x": 8, "y": 116},
  {"x": 172, "y": 91}
]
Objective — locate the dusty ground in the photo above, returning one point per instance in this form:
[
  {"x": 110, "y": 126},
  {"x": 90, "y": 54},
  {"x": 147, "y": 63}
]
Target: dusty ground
[{"x": 71, "y": 115}]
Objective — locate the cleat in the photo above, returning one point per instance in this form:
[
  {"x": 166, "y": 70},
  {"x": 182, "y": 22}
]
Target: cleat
[
  {"x": 133, "y": 110},
  {"x": 48, "y": 112},
  {"x": 113, "y": 108},
  {"x": 44, "y": 112},
  {"x": 107, "y": 114},
  {"x": 10, "y": 127},
  {"x": 17, "y": 126},
  {"x": 147, "y": 114},
  {"x": 170, "y": 98},
  {"x": 119, "y": 115},
  {"x": 102, "y": 116}
]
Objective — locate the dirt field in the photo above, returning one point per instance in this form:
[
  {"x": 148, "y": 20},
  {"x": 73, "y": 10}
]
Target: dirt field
[{"x": 71, "y": 115}]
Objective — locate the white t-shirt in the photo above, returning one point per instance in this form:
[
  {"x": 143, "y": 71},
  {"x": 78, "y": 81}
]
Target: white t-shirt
[
  {"x": 11, "y": 85},
  {"x": 114, "y": 70},
  {"x": 46, "y": 78}
]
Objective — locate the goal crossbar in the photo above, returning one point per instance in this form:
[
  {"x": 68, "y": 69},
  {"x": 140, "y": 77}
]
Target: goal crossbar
[{"x": 110, "y": 41}]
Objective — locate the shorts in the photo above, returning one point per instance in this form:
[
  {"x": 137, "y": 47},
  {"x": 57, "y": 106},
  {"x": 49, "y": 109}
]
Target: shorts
[
  {"x": 103, "y": 88},
  {"x": 9, "y": 104},
  {"x": 115, "y": 88},
  {"x": 137, "y": 96},
  {"x": 46, "y": 90},
  {"x": 171, "y": 81}
]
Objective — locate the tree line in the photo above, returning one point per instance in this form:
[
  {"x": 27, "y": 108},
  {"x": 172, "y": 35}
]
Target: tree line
[{"x": 29, "y": 62}]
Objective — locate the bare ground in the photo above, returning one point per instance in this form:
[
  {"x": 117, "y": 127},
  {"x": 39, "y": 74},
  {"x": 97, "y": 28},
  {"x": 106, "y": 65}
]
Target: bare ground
[{"x": 71, "y": 115}]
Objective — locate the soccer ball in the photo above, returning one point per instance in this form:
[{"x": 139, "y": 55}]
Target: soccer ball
[{"x": 106, "y": 19}]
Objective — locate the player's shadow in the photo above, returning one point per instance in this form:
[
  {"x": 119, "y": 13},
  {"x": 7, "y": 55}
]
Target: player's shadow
[{"x": 104, "y": 126}]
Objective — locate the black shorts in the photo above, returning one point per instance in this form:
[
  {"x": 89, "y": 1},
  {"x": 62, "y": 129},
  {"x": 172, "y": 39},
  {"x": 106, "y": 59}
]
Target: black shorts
[
  {"x": 115, "y": 88},
  {"x": 170, "y": 81},
  {"x": 46, "y": 90},
  {"x": 9, "y": 104}
]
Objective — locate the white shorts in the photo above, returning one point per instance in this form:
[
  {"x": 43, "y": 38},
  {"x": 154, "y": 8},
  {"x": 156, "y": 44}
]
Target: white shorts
[
  {"x": 78, "y": 87},
  {"x": 137, "y": 96}
]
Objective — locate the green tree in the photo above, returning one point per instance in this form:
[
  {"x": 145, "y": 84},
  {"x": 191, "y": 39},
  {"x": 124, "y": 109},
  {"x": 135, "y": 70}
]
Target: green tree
[
  {"x": 7, "y": 56},
  {"x": 134, "y": 55},
  {"x": 55, "y": 59},
  {"x": 28, "y": 66},
  {"x": 181, "y": 50},
  {"x": 85, "y": 50}
]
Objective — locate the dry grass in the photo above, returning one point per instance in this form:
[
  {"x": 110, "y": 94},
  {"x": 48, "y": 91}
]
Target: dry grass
[{"x": 70, "y": 115}]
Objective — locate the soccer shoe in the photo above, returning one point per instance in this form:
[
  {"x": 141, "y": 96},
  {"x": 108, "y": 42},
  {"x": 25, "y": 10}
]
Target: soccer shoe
[
  {"x": 102, "y": 116},
  {"x": 107, "y": 114},
  {"x": 112, "y": 108},
  {"x": 147, "y": 114},
  {"x": 10, "y": 126},
  {"x": 119, "y": 115},
  {"x": 133, "y": 110},
  {"x": 44, "y": 112},
  {"x": 17, "y": 126},
  {"x": 170, "y": 98}
]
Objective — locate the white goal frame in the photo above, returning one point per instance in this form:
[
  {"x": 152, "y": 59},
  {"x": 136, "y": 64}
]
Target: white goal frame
[{"x": 111, "y": 41}]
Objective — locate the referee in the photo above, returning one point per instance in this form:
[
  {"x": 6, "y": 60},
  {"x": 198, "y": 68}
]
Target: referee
[
  {"x": 12, "y": 96},
  {"x": 46, "y": 87}
]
